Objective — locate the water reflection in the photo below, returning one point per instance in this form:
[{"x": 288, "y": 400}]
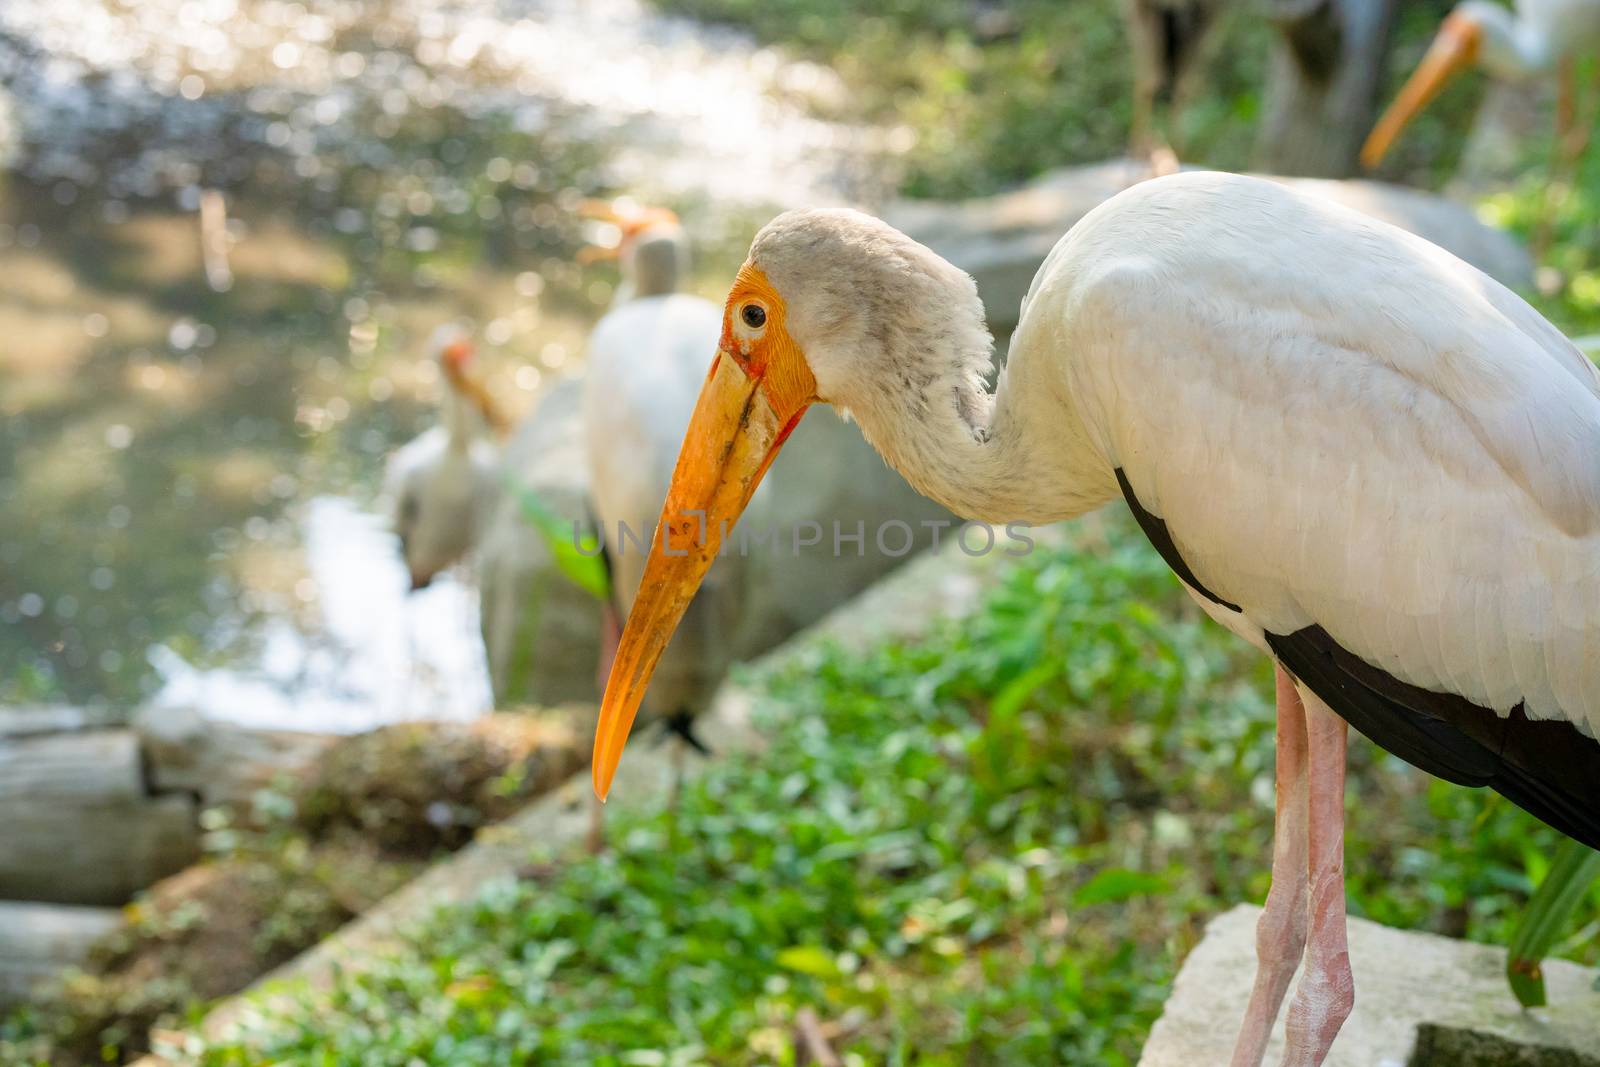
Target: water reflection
[
  {"x": 378, "y": 656},
  {"x": 365, "y": 172}
]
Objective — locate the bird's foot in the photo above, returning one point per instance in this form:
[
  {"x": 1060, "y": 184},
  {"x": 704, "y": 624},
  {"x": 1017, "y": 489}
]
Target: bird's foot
[{"x": 1321, "y": 1004}]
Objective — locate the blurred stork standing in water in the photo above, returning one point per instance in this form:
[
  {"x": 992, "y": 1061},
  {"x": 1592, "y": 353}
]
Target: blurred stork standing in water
[
  {"x": 1359, "y": 454},
  {"x": 441, "y": 483},
  {"x": 1538, "y": 38}
]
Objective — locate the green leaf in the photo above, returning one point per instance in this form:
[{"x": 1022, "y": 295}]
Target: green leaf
[
  {"x": 579, "y": 560},
  {"x": 1006, "y": 705},
  {"x": 1116, "y": 884},
  {"x": 1574, "y": 869},
  {"x": 809, "y": 959}
]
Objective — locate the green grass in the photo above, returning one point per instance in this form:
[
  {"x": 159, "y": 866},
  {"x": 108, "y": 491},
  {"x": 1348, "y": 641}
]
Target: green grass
[{"x": 993, "y": 846}]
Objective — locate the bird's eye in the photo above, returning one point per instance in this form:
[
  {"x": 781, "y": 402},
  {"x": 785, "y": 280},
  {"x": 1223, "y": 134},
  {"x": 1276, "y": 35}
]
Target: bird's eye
[{"x": 754, "y": 315}]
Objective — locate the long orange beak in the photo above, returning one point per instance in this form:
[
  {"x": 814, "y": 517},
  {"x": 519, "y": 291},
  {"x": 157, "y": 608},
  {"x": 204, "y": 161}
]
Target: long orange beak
[
  {"x": 1454, "y": 50},
  {"x": 733, "y": 437}
]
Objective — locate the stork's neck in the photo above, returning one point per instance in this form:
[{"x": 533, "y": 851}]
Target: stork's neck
[
  {"x": 653, "y": 264},
  {"x": 459, "y": 416},
  {"x": 1020, "y": 454}
]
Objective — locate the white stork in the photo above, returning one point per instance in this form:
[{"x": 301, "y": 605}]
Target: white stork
[
  {"x": 1360, "y": 454},
  {"x": 1540, "y": 36},
  {"x": 441, "y": 482}
]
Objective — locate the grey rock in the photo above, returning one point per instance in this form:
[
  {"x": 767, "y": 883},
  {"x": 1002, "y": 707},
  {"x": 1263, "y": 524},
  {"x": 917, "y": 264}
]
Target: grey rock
[
  {"x": 39, "y": 941},
  {"x": 219, "y": 762},
  {"x": 1421, "y": 1001}
]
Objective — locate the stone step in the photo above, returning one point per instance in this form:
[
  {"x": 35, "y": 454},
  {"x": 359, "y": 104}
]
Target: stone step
[
  {"x": 1421, "y": 1001},
  {"x": 39, "y": 940}
]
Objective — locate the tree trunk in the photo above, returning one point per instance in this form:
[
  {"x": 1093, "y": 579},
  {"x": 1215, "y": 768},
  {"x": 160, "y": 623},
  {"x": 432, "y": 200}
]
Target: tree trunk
[
  {"x": 220, "y": 763},
  {"x": 1328, "y": 60},
  {"x": 32, "y": 720}
]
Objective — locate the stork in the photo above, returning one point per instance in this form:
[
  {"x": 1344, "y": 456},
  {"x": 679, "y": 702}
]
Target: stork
[
  {"x": 1358, "y": 453},
  {"x": 1540, "y": 36},
  {"x": 646, "y": 359},
  {"x": 441, "y": 482}
]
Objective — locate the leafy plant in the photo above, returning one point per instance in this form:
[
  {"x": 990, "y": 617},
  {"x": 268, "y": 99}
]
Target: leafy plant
[
  {"x": 578, "y": 555},
  {"x": 1572, "y": 875}
]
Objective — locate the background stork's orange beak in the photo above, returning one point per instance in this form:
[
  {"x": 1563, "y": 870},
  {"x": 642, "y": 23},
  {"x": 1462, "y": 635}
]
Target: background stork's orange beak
[
  {"x": 733, "y": 437},
  {"x": 1454, "y": 50},
  {"x": 631, "y": 219}
]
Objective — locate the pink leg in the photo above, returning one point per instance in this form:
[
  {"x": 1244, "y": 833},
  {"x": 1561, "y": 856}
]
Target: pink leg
[
  {"x": 1327, "y": 990},
  {"x": 1281, "y": 930}
]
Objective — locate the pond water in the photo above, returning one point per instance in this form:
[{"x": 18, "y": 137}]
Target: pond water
[
  {"x": 188, "y": 457},
  {"x": 380, "y": 654}
]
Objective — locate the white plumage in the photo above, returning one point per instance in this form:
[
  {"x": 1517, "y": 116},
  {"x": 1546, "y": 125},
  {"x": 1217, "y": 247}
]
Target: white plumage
[
  {"x": 646, "y": 359},
  {"x": 1532, "y": 35},
  {"x": 1433, "y": 442}
]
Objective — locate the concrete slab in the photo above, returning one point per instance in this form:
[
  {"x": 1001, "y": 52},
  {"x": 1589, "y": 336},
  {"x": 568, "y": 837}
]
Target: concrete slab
[{"x": 1421, "y": 1001}]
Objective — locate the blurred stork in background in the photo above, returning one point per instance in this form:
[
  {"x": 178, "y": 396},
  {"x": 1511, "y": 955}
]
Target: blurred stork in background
[
  {"x": 441, "y": 483},
  {"x": 1168, "y": 38},
  {"x": 646, "y": 360},
  {"x": 1539, "y": 38}
]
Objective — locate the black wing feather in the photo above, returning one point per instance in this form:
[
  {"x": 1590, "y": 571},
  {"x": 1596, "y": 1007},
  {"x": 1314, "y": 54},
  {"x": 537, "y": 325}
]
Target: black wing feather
[{"x": 1547, "y": 767}]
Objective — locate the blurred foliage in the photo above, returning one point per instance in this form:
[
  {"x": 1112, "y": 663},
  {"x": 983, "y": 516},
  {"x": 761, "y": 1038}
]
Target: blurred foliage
[
  {"x": 989, "y": 94},
  {"x": 1568, "y": 213},
  {"x": 950, "y": 853}
]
